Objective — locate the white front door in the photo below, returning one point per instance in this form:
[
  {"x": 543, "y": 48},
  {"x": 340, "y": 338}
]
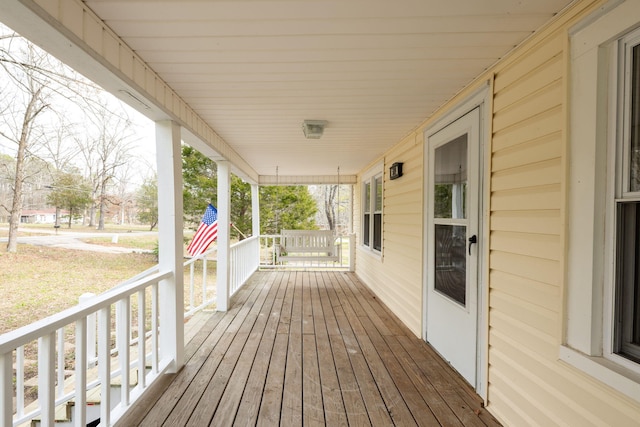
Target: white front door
[{"x": 453, "y": 194}]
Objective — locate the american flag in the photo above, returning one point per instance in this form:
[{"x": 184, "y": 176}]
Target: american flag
[{"x": 206, "y": 233}]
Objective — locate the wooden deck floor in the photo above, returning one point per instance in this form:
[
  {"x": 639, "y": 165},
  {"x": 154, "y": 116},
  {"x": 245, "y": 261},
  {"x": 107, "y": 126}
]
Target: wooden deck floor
[{"x": 308, "y": 348}]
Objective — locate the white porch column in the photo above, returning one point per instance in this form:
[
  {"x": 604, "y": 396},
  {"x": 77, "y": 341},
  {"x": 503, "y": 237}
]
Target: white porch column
[
  {"x": 170, "y": 242},
  {"x": 255, "y": 210},
  {"x": 224, "y": 206}
]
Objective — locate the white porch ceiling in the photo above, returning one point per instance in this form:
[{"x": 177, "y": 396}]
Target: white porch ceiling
[{"x": 374, "y": 69}]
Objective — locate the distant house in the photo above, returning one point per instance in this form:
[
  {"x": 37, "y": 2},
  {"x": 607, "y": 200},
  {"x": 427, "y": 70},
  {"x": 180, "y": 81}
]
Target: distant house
[{"x": 40, "y": 216}]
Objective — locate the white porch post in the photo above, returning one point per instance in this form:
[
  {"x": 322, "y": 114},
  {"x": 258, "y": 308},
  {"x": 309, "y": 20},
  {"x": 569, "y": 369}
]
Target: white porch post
[
  {"x": 255, "y": 210},
  {"x": 6, "y": 389},
  {"x": 224, "y": 205},
  {"x": 170, "y": 242}
]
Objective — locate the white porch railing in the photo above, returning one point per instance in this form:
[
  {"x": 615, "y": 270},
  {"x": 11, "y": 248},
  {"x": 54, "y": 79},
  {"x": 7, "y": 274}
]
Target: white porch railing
[
  {"x": 206, "y": 298},
  {"x": 244, "y": 260},
  {"x": 143, "y": 359},
  {"x": 104, "y": 349}
]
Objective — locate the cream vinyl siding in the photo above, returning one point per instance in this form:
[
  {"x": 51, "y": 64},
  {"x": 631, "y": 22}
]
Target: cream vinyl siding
[
  {"x": 527, "y": 383},
  {"x": 525, "y": 260},
  {"x": 396, "y": 277}
]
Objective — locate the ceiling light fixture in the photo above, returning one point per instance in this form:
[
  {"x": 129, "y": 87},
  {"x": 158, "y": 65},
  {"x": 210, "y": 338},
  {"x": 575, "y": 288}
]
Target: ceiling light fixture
[{"x": 313, "y": 129}]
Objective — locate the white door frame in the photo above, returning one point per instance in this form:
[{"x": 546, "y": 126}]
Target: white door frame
[{"x": 481, "y": 100}]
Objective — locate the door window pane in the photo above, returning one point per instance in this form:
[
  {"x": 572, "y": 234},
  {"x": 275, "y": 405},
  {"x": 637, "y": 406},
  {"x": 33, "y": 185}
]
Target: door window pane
[
  {"x": 451, "y": 261},
  {"x": 450, "y": 187}
]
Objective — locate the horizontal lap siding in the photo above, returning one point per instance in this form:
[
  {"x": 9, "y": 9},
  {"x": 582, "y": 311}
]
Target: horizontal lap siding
[
  {"x": 397, "y": 278},
  {"x": 525, "y": 271},
  {"x": 527, "y": 383}
]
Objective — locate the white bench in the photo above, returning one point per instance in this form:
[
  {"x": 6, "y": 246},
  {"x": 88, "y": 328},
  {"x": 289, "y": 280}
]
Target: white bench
[{"x": 307, "y": 245}]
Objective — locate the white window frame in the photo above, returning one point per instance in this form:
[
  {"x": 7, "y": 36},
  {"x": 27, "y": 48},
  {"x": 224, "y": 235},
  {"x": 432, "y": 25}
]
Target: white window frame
[
  {"x": 595, "y": 119},
  {"x": 370, "y": 178},
  {"x": 622, "y": 192}
]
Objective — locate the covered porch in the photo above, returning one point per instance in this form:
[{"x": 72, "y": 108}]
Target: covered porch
[
  {"x": 236, "y": 81},
  {"x": 312, "y": 348}
]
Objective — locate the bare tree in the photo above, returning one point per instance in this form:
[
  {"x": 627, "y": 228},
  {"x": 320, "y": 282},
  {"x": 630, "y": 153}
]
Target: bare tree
[
  {"x": 330, "y": 192},
  {"x": 21, "y": 113},
  {"x": 35, "y": 85},
  {"x": 106, "y": 146},
  {"x": 60, "y": 153}
]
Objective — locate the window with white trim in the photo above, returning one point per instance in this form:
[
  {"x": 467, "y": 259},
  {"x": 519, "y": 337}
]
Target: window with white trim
[
  {"x": 372, "y": 211},
  {"x": 626, "y": 325},
  {"x": 602, "y": 312}
]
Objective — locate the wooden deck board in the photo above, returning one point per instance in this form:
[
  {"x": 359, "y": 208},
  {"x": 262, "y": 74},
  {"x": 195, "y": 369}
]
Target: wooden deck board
[
  {"x": 308, "y": 348},
  {"x": 249, "y": 407},
  {"x": 227, "y": 409},
  {"x": 292, "y": 393},
  {"x": 395, "y": 404}
]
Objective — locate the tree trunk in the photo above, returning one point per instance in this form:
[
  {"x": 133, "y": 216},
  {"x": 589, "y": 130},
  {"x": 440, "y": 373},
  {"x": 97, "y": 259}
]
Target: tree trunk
[
  {"x": 329, "y": 202},
  {"x": 92, "y": 215},
  {"x": 16, "y": 204},
  {"x": 57, "y": 223},
  {"x": 103, "y": 204},
  {"x": 70, "y": 216}
]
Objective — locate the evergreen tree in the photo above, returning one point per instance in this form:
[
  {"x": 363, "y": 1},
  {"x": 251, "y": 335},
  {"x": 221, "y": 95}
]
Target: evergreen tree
[
  {"x": 199, "y": 175},
  {"x": 286, "y": 207},
  {"x": 292, "y": 206},
  {"x": 147, "y": 201},
  {"x": 70, "y": 192}
]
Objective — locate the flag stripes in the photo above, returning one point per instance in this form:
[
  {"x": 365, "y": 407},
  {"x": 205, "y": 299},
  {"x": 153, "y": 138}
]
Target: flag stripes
[{"x": 206, "y": 233}]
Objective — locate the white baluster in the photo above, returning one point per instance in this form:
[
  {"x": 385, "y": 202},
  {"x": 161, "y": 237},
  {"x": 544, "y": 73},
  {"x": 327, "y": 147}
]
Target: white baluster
[
  {"x": 204, "y": 279},
  {"x": 6, "y": 393},
  {"x": 104, "y": 364},
  {"x": 192, "y": 275},
  {"x": 123, "y": 331},
  {"x": 20, "y": 381},
  {"x": 154, "y": 328},
  {"x": 142, "y": 340},
  {"x": 91, "y": 330},
  {"x": 47, "y": 378},
  {"x": 60, "y": 362},
  {"x": 80, "y": 410}
]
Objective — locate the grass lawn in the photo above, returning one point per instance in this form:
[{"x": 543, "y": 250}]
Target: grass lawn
[
  {"x": 37, "y": 282},
  {"x": 128, "y": 241}
]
